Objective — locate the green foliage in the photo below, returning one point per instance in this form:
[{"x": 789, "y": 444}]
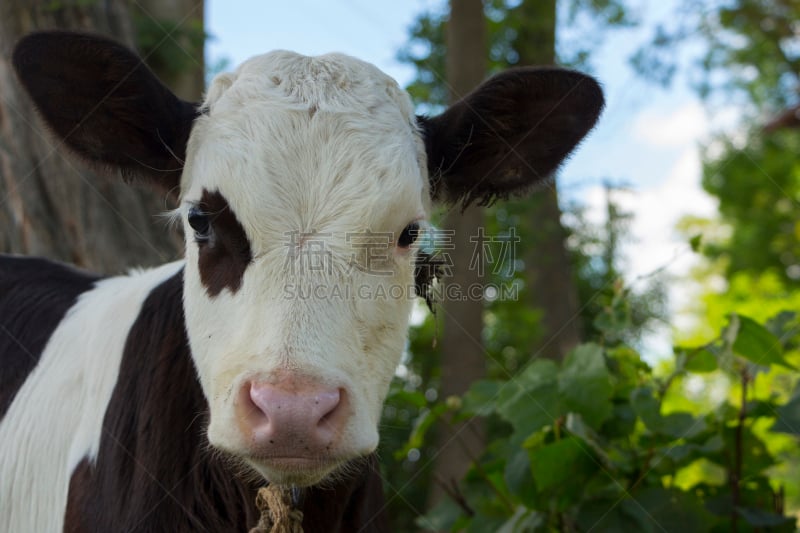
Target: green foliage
[
  {"x": 584, "y": 25},
  {"x": 748, "y": 48},
  {"x": 604, "y": 441},
  {"x": 511, "y": 326},
  {"x": 426, "y": 51},
  {"x": 755, "y": 184},
  {"x": 755, "y": 43},
  {"x": 789, "y": 416},
  {"x": 169, "y": 47},
  {"x": 600, "y": 442},
  {"x": 608, "y": 308}
]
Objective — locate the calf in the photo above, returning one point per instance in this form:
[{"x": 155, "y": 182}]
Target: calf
[{"x": 160, "y": 400}]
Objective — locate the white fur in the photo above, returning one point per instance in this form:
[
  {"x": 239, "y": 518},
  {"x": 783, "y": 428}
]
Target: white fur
[
  {"x": 324, "y": 145},
  {"x": 56, "y": 417}
]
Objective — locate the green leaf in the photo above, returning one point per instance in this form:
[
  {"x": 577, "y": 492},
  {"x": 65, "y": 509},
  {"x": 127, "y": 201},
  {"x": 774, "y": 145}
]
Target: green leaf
[
  {"x": 789, "y": 417},
  {"x": 756, "y": 344},
  {"x": 626, "y": 368},
  {"x": 681, "y": 425},
  {"x": 700, "y": 361},
  {"x": 622, "y": 423},
  {"x": 423, "y": 423},
  {"x": 760, "y": 518},
  {"x": 441, "y": 517},
  {"x": 612, "y": 516},
  {"x": 762, "y": 409},
  {"x": 413, "y": 398},
  {"x": 682, "y": 454},
  {"x": 676, "y": 425},
  {"x": 541, "y": 394},
  {"x": 584, "y": 385},
  {"x": 673, "y": 510},
  {"x": 577, "y": 427},
  {"x": 481, "y": 523},
  {"x": 647, "y": 407},
  {"x": 783, "y": 325},
  {"x": 562, "y": 469},
  {"x": 481, "y": 398},
  {"x": 523, "y": 520},
  {"x": 695, "y": 242},
  {"x": 518, "y": 477},
  {"x": 529, "y": 401},
  {"x": 614, "y": 320}
]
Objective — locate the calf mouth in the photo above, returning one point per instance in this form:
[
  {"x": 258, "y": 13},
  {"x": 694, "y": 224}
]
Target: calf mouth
[{"x": 297, "y": 470}]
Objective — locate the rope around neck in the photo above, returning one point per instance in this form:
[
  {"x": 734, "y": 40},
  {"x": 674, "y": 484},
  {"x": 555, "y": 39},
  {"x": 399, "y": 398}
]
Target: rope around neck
[{"x": 278, "y": 514}]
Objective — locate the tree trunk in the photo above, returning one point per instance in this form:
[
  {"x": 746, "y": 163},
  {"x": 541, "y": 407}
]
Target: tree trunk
[
  {"x": 549, "y": 279},
  {"x": 50, "y": 205},
  {"x": 463, "y": 356}
]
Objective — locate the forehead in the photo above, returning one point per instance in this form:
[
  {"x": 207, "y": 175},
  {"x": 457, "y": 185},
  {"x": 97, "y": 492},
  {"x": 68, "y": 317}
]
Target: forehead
[{"x": 307, "y": 136}]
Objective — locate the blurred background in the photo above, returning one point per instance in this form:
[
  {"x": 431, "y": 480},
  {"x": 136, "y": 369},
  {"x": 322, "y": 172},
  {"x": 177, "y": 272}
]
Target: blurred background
[{"x": 631, "y": 364}]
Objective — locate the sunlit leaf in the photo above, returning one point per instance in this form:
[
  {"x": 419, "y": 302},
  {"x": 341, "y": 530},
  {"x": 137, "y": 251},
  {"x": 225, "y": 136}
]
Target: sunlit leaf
[{"x": 756, "y": 344}]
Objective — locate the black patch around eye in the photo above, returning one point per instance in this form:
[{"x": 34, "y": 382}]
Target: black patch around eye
[
  {"x": 408, "y": 236},
  {"x": 427, "y": 269},
  {"x": 223, "y": 259}
]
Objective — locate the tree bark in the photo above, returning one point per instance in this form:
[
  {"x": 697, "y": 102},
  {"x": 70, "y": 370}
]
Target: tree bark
[
  {"x": 50, "y": 205},
  {"x": 463, "y": 359},
  {"x": 550, "y": 282}
]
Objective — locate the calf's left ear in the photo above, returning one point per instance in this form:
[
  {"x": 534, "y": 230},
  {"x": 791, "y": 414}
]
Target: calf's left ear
[
  {"x": 106, "y": 106},
  {"x": 509, "y": 134}
]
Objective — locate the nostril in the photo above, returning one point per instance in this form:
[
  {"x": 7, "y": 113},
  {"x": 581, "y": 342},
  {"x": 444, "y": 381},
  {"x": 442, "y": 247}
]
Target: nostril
[
  {"x": 326, "y": 404},
  {"x": 258, "y": 401}
]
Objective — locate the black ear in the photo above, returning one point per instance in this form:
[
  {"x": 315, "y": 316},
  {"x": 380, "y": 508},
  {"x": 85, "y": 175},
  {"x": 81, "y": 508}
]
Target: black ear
[
  {"x": 510, "y": 133},
  {"x": 105, "y": 104}
]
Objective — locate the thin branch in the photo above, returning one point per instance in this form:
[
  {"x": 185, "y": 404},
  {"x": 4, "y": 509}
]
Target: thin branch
[{"x": 736, "y": 473}]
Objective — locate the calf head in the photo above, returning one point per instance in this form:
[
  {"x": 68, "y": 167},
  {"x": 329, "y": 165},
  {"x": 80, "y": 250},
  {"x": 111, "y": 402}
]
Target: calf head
[{"x": 302, "y": 183}]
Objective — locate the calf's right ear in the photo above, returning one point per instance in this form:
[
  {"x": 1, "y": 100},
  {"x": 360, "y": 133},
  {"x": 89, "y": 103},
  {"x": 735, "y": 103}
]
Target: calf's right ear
[
  {"x": 107, "y": 107},
  {"x": 509, "y": 134}
]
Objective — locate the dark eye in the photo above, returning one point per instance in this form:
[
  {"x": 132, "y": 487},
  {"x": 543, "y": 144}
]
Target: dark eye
[
  {"x": 408, "y": 235},
  {"x": 200, "y": 224}
]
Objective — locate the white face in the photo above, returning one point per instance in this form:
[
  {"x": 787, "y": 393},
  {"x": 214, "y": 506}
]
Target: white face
[{"x": 290, "y": 303}]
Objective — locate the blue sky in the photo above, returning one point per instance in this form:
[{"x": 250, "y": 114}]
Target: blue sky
[
  {"x": 374, "y": 31},
  {"x": 647, "y": 139}
]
